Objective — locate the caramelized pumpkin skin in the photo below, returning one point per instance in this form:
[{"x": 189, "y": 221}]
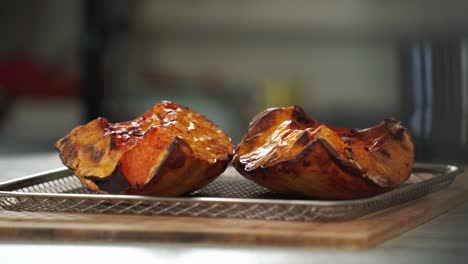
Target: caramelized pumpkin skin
[
  {"x": 168, "y": 151},
  {"x": 288, "y": 152}
]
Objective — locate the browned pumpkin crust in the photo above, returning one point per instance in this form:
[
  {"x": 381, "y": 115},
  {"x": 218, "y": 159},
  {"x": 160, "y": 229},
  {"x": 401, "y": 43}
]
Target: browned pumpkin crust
[
  {"x": 168, "y": 151},
  {"x": 288, "y": 152}
]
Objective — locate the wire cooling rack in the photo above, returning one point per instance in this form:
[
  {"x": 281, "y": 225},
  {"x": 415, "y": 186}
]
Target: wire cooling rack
[{"x": 229, "y": 196}]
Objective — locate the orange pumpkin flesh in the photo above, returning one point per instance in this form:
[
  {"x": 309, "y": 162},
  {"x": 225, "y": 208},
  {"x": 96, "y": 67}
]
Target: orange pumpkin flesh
[
  {"x": 168, "y": 151},
  {"x": 288, "y": 152}
]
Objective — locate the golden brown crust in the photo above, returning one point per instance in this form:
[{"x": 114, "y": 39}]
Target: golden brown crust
[
  {"x": 167, "y": 151},
  {"x": 288, "y": 152}
]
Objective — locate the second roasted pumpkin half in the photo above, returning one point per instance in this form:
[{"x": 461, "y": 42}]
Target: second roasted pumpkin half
[{"x": 288, "y": 152}]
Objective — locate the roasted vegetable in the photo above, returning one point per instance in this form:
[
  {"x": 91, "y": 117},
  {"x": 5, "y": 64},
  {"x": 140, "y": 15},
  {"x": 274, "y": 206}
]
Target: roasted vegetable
[
  {"x": 168, "y": 151},
  {"x": 288, "y": 152}
]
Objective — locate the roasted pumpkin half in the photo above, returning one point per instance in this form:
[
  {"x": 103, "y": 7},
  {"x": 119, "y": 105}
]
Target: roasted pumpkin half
[
  {"x": 288, "y": 152},
  {"x": 168, "y": 151}
]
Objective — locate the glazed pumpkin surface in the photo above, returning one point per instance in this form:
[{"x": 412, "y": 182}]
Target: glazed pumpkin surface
[
  {"x": 288, "y": 152},
  {"x": 168, "y": 151}
]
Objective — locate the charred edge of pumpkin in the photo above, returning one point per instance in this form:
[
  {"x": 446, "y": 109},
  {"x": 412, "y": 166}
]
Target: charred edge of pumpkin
[
  {"x": 67, "y": 152},
  {"x": 300, "y": 116},
  {"x": 348, "y": 163},
  {"x": 67, "y": 149},
  {"x": 90, "y": 185},
  {"x": 352, "y": 166},
  {"x": 114, "y": 183},
  {"x": 395, "y": 127}
]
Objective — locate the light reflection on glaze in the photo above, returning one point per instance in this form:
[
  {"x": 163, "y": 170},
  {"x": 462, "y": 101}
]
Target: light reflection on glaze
[
  {"x": 274, "y": 148},
  {"x": 206, "y": 141}
]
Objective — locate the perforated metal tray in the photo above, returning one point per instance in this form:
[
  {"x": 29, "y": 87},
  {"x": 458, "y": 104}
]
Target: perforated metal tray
[{"x": 229, "y": 196}]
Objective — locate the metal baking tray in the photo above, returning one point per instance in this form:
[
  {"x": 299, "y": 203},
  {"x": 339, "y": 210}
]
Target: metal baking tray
[{"x": 229, "y": 196}]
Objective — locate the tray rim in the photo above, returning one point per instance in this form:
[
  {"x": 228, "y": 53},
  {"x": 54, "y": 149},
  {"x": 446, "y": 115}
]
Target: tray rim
[{"x": 448, "y": 173}]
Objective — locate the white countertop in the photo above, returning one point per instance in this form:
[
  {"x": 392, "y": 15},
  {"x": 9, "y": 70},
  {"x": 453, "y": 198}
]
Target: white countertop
[{"x": 442, "y": 240}]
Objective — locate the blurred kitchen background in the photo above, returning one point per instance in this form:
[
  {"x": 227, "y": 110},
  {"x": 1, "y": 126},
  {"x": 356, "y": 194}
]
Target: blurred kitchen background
[{"x": 347, "y": 63}]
